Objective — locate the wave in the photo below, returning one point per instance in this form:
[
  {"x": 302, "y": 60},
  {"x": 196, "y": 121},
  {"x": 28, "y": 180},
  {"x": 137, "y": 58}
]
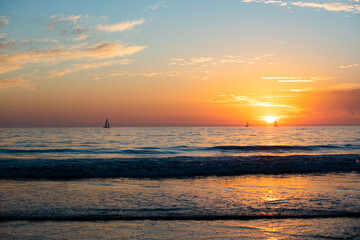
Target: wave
[
  {"x": 282, "y": 147},
  {"x": 86, "y": 149},
  {"x": 111, "y": 217},
  {"x": 175, "y": 167}
]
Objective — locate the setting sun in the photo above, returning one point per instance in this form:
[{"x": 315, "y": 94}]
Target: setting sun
[{"x": 270, "y": 119}]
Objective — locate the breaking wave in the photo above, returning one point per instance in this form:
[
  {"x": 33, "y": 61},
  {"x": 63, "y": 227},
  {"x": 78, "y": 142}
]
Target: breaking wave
[{"x": 175, "y": 167}]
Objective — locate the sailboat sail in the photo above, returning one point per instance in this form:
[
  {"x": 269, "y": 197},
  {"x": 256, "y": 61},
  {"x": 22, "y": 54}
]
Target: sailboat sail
[
  {"x": 107, "y": 124},
  {"x": 275, "y": 124},
  {"x": 247, "y": 124}
]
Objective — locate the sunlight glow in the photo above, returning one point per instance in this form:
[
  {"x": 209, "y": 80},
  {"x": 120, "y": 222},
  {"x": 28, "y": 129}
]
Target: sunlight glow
[{"x": 270, "y": 119}]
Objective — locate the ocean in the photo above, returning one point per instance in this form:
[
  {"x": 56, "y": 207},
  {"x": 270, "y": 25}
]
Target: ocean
[{"x": 180, "y": 183}]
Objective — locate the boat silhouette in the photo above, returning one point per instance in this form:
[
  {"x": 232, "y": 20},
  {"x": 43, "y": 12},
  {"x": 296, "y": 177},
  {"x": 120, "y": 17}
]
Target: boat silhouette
[
  {"x": 107, "y": 124},
  {"x": 275, "y": 124},
  {"x": 247, "y": 124}
]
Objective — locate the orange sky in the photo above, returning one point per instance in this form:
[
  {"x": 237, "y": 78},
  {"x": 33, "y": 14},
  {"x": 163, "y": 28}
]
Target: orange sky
[{"x": 145, "y": 64}]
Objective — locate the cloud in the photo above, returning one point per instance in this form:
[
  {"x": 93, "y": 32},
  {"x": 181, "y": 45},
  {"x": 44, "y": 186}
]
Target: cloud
[
  {"x": 9, "y": 67},
  {"x": 81, "y": 37},
  {"x": 297, "y": 79},
  {"x": 206, "y": 61},
  {"x": 16, "y": 83},
  {"x": 156, "y": 6},
  {"x": 346, "y": 86},
  {"x": 190, "y": 61},
  {"x": 72, "y": 19},
  {"x": 120, "y": 27},
  {"x": 101, "y": 50},
  {"x": 86, "y": 66},
  {"x": 4, "y": 20},
  {"x": 301, "y": 90},
  {"x": 13, "y": 42},
  {"x": 332, "y": 6},
  {"x": 349, "y": 66},
  {"x": 246, "y": 101},
  {"x": 8, "y": 43},
  {"x": 275, "y": 2},
  {"x": 329, "y": 6}
]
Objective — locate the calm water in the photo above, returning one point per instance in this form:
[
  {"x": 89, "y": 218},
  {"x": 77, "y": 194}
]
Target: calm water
[{"x": 280, "y": 183}]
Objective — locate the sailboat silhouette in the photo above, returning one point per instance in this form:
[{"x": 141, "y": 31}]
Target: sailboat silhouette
[
  {"x": 107, "y": 124},
  {"x": 247, "y": 124},
  {"x": 275, "y": 124}
]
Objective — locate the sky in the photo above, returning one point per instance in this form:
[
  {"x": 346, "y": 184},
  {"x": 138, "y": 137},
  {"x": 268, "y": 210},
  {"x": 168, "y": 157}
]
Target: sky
[{"x": 179, "y": 63}]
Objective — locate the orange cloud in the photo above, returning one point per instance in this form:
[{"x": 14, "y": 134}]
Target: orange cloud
[
  {"x": 17, "y": 82},
  {"x": 102, "y": 50},
  {"x": 246, "y": 101},
  {"x": 297, "y": 79},
  {"x": 349, "y": 66},
  {"x": 120, "y": 27},
  {"x": 79, "y": 67}
]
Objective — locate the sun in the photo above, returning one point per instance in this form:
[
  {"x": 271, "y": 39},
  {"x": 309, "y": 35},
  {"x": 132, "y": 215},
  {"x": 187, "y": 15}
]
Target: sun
[{"x": 269, "y": 119}]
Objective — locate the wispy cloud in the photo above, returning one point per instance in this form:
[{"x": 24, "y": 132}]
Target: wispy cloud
[
  {"x": 15, "y": 43},
  {"x": 190, "y": 61},
  {"x": 340, "y": 5},
  {"x": 81, "y": 37},
  {"x": 4, "y": 20},
  {"x": 156, "y": 6},
  {"x": 349, "y": 66},
  {"x": 18, "y": 82},
  {"x": 297, "y": 79},
  {"x": 72, "y": 19},
  {"x": 331, "y": 6},
  {"x": 122, "y": 26},
  {"x": 301, "y": 89},
  {"x": 247, "y": 101},
  {"x": 101, "y": 50},
  {"x": 87, "y": 66},
  {"x": 346, "y": 86},
  {"x": 276, "y": 2},
  {"x": 209, "y": 61}
]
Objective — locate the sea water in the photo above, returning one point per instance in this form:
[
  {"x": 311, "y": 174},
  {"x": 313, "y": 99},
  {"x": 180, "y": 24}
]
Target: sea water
[{"x": 165, "y": 183}]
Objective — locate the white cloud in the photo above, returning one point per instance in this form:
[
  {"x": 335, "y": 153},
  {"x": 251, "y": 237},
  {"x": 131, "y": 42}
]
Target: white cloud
[
  {"x": 190, "y": 61},
  {"x": 301, "y": 89},
  {"x": 208, "y": 61},
  {"x": 246, "y": 101},
  {"x": 332, "y": 6},
  {"x": 349, "y": 66},
  {"x": 81, "y": 37},
  {"x": 72, "y": 19},
  {"x": 340, "y": 5},
  {"x": 156, "y": 6},
  {"x": 297, "y": 79},
  {"x": 122, "y": 26},
  {"x": 4, "y": 20}
]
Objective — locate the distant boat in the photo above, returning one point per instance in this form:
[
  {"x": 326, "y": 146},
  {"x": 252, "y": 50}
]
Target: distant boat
[
  {"x": 275, "y": 124},
  {"x": 107, "y": 124},
  {"x": 247, "y": 124}
]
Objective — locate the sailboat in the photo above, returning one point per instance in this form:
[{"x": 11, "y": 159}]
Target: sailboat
[
  {"x": 247, "y": 124},
  {"x": 107, "y": 124},
  {"x": 275, "y": 124}
]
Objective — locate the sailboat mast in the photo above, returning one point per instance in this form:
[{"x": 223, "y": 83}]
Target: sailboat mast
[{"x": 107, "y": 124}]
